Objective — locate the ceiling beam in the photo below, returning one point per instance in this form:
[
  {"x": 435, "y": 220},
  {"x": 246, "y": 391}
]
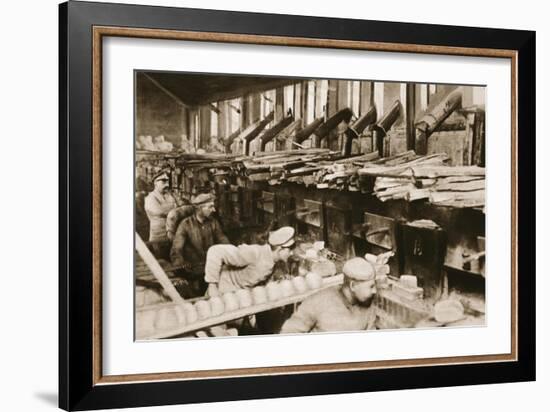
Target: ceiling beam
[{"x": 165, "y": 90}]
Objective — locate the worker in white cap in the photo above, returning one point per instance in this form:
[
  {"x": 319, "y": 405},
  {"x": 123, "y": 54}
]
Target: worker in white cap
[
  {"x": 195, "y": 234},
  {"x": 231, "y": 267},
  {"x": 340, "y": 308},
  {"x": 157, "y": 204}
]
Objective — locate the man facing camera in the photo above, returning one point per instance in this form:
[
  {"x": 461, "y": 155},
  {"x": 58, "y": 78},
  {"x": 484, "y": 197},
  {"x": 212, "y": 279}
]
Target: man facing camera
[
  {"x": 341, "y": 308},
  {"x": 194, "y": 236},
  {"x": 157, "y": 205}
]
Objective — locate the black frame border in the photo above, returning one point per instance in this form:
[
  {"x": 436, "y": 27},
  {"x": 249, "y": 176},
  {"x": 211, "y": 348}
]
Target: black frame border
[{"x": 76, "y": 387}]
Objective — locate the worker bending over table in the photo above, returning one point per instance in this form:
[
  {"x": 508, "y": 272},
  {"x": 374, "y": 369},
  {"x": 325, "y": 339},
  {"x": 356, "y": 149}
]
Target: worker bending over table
[{"x": 230, "y": 267}]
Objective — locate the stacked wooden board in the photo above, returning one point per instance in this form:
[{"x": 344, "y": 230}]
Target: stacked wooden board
[
  {"x": 273, "y": 167},
  {"x": 428, "y": 178},
  {"x": 405, "y": 176}
]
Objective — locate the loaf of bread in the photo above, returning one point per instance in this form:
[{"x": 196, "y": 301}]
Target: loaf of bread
[
  {"x": 216, "y": 306},
  {"x": 273, "y": 291},
  {"x": 230, "y": 301},
  {"x": 259, "y": 295},
  {"x": 313, "y": 280},
  {"x": 299, "y": 284}
]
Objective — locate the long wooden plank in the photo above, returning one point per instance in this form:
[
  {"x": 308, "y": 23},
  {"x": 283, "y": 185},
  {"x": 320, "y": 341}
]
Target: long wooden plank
[
  {"x": 444, "y": 196},
  {"x": 240, "y": 313},
  {"x": 460, "y": 186},
  {"x": 359, "y": 158},
  {"x": 458, "y": 179},
  {"x": 292, "y": 152},
  {"x": 157, "y": 270},
  {"x": 443, "y": 171},
  {"x": 407, "y": 168}
]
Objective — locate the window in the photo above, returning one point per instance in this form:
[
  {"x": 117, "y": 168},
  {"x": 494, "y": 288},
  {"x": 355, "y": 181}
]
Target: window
[
  {"x": 235, "y": 114},
  {"x": 310, "y": 108},
  {"x": 423, "y": 97},
  {"x": 288, "y": 99},
  {"x": 214, "y": 120},
  {"x": 355, "y": 96},
  {"x": 268, "y": 102},
  {"x": 298, "y": 100},
  {"x": 196, "y": 127},
  {"x": 379, "y": 98},
  {"x": 321, "y": 97}
]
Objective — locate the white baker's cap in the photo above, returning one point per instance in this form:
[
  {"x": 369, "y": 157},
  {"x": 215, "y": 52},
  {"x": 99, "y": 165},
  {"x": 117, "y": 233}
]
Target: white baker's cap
[{"x": 283, "y": 237}]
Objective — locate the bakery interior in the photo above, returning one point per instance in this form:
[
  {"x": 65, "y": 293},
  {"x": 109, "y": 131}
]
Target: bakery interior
[{"x": 391, "y": 172}]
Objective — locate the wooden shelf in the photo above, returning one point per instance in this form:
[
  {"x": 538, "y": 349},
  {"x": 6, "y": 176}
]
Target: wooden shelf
[
  {"x": 447, "y": 266},
  {"x": 240, "y": 313}
]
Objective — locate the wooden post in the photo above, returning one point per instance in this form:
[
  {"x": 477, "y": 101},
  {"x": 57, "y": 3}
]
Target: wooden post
[
  {"x": 479, "y": 143},
  {"x": 298, "y": 101},
  {"x": 467, "y": 153},
  {"x": 343, "y": 94},
  {"x": 410, "y": 110},
  {"x": 332, "y": 99},
  {"x": 255, "y": 107},
  {"x": 279, "y": 104},
  {"x": 320, "y": 97},
  {"x": 245, "y": 118},
  {"x": 184, "y": 123},
  {"x": 205, "y": 132},
  {"x": 421, "y": 143},
  {"x": 222, "y": 120},
  {"x": 303, "y": 99},
  {"x": 193, "y": 127},
  {"x": 366, "y": 97}
]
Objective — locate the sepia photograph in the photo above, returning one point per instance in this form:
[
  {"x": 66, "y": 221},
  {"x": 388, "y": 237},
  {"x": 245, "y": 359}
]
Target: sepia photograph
[
  {"x": 278, "y": 205},
  {"x": 261, "y": 205}
]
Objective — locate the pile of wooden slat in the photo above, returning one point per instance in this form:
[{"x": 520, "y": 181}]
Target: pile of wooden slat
[
  {"x": 428, "y": 178},
  {"x": 275, "y": 167},
  {"x": 342, "y": 174},
  {"x": 324, "y": 170},
  {"x": 319, "y": 167},
  {"x": 336, "y": 176},
  {"x": 405, "y": 176},
  {"x": 206, "y": 160}
]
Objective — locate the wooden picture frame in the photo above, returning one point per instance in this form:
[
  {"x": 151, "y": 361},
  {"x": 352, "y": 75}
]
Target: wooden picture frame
[{"x": 82, "y": 28}]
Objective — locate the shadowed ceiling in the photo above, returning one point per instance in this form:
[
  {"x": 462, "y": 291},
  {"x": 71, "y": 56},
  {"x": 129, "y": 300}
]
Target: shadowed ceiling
[{"x": 199, "y": 89}]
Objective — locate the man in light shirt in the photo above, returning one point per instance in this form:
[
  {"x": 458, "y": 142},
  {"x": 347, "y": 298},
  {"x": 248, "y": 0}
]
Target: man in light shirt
[
  {"x": 157, "y": 205},
  {"x": 340, "y": 308},
  {"x": 230, "y": 267}
]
